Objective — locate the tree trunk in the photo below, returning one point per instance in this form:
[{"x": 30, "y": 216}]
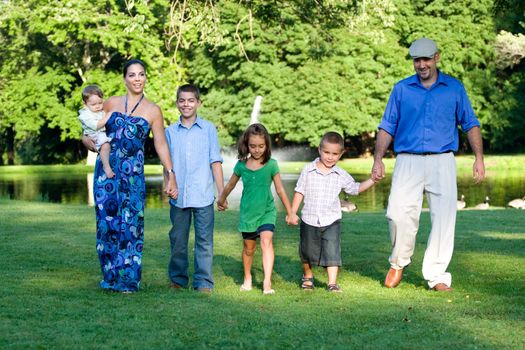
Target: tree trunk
[
  {"x": 2, "y": 149},
  {"x": 10, "y": 145}
]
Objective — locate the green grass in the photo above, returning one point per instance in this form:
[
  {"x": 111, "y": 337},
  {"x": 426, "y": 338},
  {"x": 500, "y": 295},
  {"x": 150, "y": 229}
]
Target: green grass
[{"x": 49, "y": 295}]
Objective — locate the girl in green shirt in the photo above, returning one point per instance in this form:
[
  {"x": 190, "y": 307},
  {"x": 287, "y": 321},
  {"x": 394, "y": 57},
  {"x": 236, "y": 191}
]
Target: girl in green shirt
[{"x": 257, "y": 213}]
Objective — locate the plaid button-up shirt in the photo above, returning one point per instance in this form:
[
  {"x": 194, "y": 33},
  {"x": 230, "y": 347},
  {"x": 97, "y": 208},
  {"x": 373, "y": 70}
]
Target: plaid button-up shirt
[{"x": 321, "y": 193}]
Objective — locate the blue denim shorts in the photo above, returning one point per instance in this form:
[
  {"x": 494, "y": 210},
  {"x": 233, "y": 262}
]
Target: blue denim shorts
[
  {"x": 321, "y": 246},
  {"x": 254, "y": 235}
]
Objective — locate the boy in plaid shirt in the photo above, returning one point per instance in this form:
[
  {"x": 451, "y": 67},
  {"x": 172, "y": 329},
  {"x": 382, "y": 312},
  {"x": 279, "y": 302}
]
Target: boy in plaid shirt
[{"x": 320, "y": 184}]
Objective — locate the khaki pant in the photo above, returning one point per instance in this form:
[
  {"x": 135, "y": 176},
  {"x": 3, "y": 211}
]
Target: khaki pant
[{"x": 434, "y": 175}]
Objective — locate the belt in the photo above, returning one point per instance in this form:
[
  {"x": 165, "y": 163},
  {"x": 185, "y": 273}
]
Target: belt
[{"x": 426, "y": 153}]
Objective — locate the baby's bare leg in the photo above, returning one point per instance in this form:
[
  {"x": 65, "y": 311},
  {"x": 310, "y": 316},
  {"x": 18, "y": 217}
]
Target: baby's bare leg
[{"x": 104, "y": 157}]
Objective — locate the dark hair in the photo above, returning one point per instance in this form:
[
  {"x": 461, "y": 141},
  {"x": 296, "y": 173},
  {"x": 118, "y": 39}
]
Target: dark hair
[
  {"x": 189, "y": 88},
  {"x": 91, "y": 90},
  {"x": 334, "y": 138},
  {"x": 254, "y": 129},
  {"x": 130, "y": 63}
]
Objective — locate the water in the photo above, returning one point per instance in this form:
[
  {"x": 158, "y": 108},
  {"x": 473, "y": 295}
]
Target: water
[{"x": 70, "y": 188}]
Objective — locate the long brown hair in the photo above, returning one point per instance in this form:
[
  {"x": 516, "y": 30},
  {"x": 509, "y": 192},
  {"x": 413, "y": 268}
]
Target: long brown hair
[{"x": 243, "y": 149}]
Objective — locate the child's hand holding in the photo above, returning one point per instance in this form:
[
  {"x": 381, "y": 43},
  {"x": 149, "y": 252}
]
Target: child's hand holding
[
  {"x": 175, "y": 193},
  {"x": 222, "y": 205},
  {"x": 171, "y": 188},
  {"x": 292, "y": 219}
]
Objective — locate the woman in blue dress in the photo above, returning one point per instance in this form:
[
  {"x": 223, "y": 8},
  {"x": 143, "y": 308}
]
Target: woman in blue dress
[{"x": 119, "y": 201}]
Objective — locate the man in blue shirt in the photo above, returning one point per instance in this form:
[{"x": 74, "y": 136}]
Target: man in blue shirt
[
  {"x": 197, "y": 163},
  {"x": 422, "y": 117}
]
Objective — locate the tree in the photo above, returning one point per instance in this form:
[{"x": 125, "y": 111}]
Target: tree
[
  {"x": 507, "y": 93},
  {"x": 51, "y": 49},
  {"x": 319, "y": 64},
  {"x": 316, "y": 73}
]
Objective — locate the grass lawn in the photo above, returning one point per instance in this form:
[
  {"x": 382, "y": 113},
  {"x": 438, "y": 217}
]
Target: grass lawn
[{"x": 49, "y": 295}]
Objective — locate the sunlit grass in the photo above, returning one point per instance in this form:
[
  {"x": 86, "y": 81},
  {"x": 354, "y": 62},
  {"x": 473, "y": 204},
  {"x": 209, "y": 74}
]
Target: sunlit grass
[
  {"x": 497, "y": 235},
  {"x": 49, "y": 295}
]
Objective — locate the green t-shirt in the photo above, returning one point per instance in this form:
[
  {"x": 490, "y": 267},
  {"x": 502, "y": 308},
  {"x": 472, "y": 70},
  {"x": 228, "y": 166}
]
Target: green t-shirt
[{"x": 257, "y": 206}]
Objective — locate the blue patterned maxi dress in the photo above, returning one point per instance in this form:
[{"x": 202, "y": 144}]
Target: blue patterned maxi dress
[{"x": 119, "y": 204}]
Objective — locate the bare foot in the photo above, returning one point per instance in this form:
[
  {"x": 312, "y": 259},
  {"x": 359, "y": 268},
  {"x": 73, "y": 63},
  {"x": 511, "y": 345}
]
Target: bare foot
[
  {"x": 246, "y": 285},
  {"x": 267, "y": 285}
]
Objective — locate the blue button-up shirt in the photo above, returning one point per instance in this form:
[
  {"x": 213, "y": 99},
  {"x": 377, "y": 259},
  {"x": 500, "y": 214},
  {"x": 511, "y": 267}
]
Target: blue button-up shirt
[
  {"x": 425, "y": 120},
  {"x": 193, "y": 150}
]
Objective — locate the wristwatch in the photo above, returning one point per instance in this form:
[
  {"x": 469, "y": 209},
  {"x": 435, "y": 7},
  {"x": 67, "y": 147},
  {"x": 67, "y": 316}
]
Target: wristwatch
[{"x": 170, "y": 171}]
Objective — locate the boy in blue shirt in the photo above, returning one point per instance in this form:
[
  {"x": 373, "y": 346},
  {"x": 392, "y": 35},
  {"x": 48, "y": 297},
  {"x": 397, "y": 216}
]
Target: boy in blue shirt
[{"x": 197, "y": 163}]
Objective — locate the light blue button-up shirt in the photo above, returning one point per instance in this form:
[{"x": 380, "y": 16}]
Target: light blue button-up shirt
[
  {"x": 193, "y": 150},
  {"x": 425, "y": 120}
]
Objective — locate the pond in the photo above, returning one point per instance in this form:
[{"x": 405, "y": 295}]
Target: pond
[{"x": 67, "y": 188}]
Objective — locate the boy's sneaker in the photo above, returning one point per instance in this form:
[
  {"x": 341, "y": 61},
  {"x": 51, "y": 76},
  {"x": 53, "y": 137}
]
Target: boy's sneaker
[{"x": 334, "y": 288}]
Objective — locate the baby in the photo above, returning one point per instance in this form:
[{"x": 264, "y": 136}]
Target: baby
[{"x": 93, "y": 120}]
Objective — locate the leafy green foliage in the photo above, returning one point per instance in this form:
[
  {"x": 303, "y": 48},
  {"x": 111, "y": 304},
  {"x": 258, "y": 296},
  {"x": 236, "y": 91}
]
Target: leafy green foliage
[
  {"x": 314, "y": 77},
  {"x": 319, "y": 65}
]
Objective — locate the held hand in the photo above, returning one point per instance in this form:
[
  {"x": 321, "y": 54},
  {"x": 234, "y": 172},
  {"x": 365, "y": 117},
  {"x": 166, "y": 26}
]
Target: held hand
[
  {"x": 174, "y": 193},
  {"x": 89, "y": 143},
  {"x": 478, "y": 171},
  {"x": 171, "y": 188},
  {"x": 378, "y": 171},
  {"x": 222, "y": 205},
  {"x": 292, "y": 219}
]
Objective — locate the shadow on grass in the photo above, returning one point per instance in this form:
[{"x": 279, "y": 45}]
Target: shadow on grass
[
  {"x": 485, "y": 241},
  {"x": 490, "y": 252},
  {"x": 483, "y": 238},
  {"x": 283, "y": 268},
  {"x": 50, "y": 299}
]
